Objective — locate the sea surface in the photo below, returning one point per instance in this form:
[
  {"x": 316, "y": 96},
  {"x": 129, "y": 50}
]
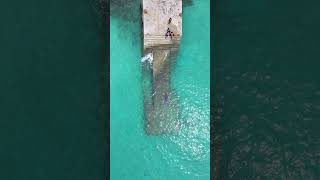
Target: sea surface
[
  {"x": 135, "y": 155},
  {"x": 266, "y": 92},
  {"x": 51, "y": 121},
  {"x": 266, "y": 89}
]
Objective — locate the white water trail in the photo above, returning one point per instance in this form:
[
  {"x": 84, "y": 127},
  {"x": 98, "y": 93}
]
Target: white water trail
[{"x": 148, "y": 57}]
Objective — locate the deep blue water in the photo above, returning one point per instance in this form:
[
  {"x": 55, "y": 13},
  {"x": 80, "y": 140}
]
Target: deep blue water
[
  {"x": 267, "y": 89},
  {"x": 51, "y": 122}
]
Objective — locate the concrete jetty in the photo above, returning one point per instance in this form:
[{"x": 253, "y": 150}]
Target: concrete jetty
[
  {"x": 161, "y": 117},
  {"x": 155, "y": 17}
]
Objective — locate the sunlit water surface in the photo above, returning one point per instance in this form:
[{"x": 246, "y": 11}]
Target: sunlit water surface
[{"x": 134, "y": 155}]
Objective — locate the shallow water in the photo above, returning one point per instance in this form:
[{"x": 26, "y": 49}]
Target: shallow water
[{"x": 134, "y": 155}]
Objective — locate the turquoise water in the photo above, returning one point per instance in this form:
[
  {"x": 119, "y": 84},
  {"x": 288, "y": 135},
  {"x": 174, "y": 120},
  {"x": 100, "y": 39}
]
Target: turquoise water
[{"x": 134, "y": 155}]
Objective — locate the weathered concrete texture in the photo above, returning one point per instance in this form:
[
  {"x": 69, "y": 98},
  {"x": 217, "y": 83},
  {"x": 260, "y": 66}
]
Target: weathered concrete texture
[
  {"x": 162, "y": 117},
  {"x": 155, "y": 17},
  {"x": 160, "y": 58},
  {"x": 161, "y": 106}
]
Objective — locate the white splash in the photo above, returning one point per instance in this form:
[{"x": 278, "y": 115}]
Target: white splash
[{"x": 148, "y": 57}]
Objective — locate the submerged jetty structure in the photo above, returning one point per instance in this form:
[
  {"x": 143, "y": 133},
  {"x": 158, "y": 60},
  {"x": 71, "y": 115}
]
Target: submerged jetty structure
[{"x": 162, "y": 31}]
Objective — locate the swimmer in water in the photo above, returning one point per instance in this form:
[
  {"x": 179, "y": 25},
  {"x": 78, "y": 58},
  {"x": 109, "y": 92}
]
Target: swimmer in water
[{"x": 166, "y": 98}]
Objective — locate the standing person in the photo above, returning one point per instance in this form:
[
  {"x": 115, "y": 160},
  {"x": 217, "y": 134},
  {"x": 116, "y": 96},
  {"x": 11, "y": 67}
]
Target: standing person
[{"x": 168, "y": 33}]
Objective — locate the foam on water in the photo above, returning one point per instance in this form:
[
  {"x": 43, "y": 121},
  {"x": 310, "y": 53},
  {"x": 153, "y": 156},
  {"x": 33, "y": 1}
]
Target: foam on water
[{"x": 148, "y": 57}]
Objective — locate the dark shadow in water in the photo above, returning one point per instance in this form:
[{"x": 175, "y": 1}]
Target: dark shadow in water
[{"x": 127, "y": 9}]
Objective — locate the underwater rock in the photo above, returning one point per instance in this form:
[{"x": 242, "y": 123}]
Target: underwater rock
[
  {"x": 186, "y": 2},
  {"x": 125, "y": 9}
]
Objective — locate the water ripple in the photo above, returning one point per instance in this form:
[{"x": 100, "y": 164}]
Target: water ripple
[{"x": 267, "y": 132}]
